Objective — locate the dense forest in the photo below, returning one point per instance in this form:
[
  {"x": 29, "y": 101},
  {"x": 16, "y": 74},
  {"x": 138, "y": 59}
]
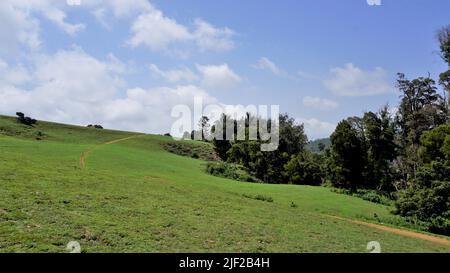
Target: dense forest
[{"x": 403, "y": 156}]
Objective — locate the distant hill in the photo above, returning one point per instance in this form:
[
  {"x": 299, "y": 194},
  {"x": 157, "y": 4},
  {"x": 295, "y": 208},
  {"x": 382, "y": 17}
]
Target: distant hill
[{"x": 313, "y": 145}]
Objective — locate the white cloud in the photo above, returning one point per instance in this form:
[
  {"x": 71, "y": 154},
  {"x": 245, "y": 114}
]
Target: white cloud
[
  {"x": 316, "y": 128},
  {"x": 13, "y": 75},
  {"x": 209, "y": 37},
  {"x": 218, "y": 76},
  {"x": 149, "y": 109},
  {"x": 174, "y": 75},
  {"x": 58, "y": 17},
  {"x": 353, "y": 81},
  {"x": 17, "y": 28},
  {"x": 121, "y": 8},
  {"x": 74, "y": 87},
  {"x": 266, "y": 64},
  {"x": 19, "y": 23},
  {"x": 319, "y": 103},
  {"x": 156, "y": 31},
  {"x": 52, "y": 10}
]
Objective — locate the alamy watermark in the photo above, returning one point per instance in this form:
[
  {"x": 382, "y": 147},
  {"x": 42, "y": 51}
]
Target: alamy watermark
[
  {"x": 374, "y": 247},
  {"x": 73, "y": 247},
  {"x": 230, "y": 122}
]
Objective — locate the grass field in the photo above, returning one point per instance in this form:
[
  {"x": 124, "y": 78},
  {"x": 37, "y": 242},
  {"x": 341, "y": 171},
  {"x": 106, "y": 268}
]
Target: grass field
[{"x": 133, "y": 196}]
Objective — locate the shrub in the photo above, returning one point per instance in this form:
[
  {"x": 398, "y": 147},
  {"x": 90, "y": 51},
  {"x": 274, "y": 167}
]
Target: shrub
[
  {"x": 440, "y": 225},
  {"x": 368, "y": 195},
  {"x": 231, "y": 171},
  {"x": 95, "y": 126},
  {"x": 25, "y": 120},
  {"x": 197, "y": 151},
  {"x": 302, "y": 169}
]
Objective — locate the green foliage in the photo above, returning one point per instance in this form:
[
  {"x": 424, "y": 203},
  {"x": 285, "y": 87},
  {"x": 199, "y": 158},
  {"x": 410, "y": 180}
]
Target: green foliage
[
  {"x": 435, "y": 144},
  {"x": 302, "y": 169},
  {"x": 428, "y": 198},
  {"x": 230, "y": 171},
  {"x": 96, "y": 126},
  {"x": 347, "y": 159},
  {"x": 368, "y": 195},
  {"x": 220, "y": 142},
  {"x": 420, "y": 108},
  {"x": 444, "y": 43},
  {"x": 25, "y": 120},
  {"x": 381, "y": 150},
  {"x": 134, "y": 186},
  {"x": 197, "y": 150}
]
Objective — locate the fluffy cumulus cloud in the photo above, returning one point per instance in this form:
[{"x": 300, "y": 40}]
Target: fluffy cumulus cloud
[
  {"x": 316, "y": 128},
  {"x": 74, "y": 87},
  {"x": 209, "y": 37},
  {"x": 319, "y": 103},
  {"x": 20, "y": 23},
  {"x": 150, "y": 27},
  {"x": 157, "y": 32},
  {"x": 352, "y": 81},
  {"x": 17, "y": 28},
  {"x": 218, "y": 76}
]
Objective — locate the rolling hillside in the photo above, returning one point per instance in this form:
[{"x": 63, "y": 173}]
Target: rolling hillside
[{"x": 116, "y": 191}]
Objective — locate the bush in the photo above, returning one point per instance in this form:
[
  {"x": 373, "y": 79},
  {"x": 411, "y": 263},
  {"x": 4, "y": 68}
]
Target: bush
[
  {"x": 429, "y": 198},
  {"x": 302, "y": 169},
  {"x": 231, "y": 171},
  {"x": 368, "y": 195},
  {"x": 95, "y": 126},
  {"x": 440, "y": 225},
  {"x": 25, "y": 120},
  {"x": 197, "y": 151}
]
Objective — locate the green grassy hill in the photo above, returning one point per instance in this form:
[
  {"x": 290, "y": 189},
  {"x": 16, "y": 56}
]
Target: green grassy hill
[{"x": 134, "y": 196}]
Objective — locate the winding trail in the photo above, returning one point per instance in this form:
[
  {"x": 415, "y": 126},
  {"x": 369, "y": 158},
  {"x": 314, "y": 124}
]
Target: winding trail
[
  {"x": 86, "y": 153},
  {"x": 402, "y": 232}
]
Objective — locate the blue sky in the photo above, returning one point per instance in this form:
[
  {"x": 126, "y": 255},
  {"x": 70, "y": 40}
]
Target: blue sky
[{"x": 125, "y": 64}]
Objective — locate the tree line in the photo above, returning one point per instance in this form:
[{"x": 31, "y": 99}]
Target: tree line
[{"x": 403, "y": 155}]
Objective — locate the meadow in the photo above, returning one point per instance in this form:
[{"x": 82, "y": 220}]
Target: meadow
[{"x": 134, "y": 196}]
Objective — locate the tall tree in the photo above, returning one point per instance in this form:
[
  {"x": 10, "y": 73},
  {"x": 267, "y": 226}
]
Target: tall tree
[
  {"x": 204, "y": 126},
  {"x": 221, "y": 144},
  {"x": 421, "y": 109},
  {"x": 379, "y": 131},
  {"x": 347, "y": 158},
  {"x": 444, "y": 43}
]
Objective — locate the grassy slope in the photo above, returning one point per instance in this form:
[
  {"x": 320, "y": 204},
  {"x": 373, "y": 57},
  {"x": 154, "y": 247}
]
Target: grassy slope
[{"x": 134, "y": 196}]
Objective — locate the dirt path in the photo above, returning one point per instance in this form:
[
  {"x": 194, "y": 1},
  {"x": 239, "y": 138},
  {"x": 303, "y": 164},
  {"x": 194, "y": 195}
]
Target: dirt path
[
  {"x": 402, "y": 232},
  {"x": 86, "y": 153}
]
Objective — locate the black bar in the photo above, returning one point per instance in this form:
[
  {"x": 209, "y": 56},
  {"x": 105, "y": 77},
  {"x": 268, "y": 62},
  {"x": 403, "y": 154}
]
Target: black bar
[{"x": 224, "y": 262}]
